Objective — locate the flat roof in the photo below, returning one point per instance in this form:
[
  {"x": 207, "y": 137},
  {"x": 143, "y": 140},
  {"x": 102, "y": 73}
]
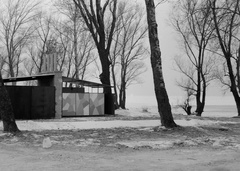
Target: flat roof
[
  {"x": 64, "y": 79},
  {"x": 27, "y": 78},
  {"x": 84, "y": 83}
]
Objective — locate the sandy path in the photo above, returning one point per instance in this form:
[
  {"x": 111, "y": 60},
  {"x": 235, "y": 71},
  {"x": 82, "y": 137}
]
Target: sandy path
[{"x": 22, "y": 159}]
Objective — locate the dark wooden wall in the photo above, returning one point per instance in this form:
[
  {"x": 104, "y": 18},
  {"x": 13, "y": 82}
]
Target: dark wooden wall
[{"x": 32, "y": 102}]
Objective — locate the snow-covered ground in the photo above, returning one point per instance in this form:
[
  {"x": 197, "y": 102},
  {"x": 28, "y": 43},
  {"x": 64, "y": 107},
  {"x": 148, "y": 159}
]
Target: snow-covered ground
[
  {"x": 96, "y": 123},
  {"x": 214, "y": 149},
  {"x": 61, "y": 125}
]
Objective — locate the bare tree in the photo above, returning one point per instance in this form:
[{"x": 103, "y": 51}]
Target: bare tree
[
  {"x": 16, "y": 29},
  {"x": 36, "y": 50},
  {"x": 94, "y": 17},
  {"x": 226, "y": 18},
  {"x": 64, "y": 53},
  {"x": 128, "y": 48},
  {"x": 188, "y": 88},
  {"x": 76, "y": 40},
  {"x": 70, "y": 10},
  {"x": 193, "y": 21},
  {"x": 164, "y": 107},
  {"x": 6, "y": 110},
  {"x": 115, "y": 53}
]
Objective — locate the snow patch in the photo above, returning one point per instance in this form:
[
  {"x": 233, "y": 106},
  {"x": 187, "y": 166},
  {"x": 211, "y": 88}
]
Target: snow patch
[{"x": 75, "y": 125}]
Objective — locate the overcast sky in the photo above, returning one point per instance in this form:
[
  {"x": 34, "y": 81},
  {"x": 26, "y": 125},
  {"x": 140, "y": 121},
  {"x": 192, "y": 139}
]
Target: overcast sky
[{"x": 169, "y": 49}]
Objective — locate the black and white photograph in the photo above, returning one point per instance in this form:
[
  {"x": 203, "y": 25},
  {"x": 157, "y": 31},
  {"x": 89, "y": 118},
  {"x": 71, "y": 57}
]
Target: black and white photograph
[{"x": 120, "y": 85}]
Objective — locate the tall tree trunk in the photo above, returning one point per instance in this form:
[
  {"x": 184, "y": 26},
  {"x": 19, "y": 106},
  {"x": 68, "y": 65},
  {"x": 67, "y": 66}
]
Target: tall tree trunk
[
  {"x": 201, "y": 105},
  {"x": 94, "y": 20},
  {"x": 120, "y": 96},
  {"x": 10, "y": 65},
  {"x": 115, "y": 87},
  {"x": 199, "y": 96},
  {"x": 6, "y": 110},
  {"x": 105, "y": 75},
  {"x": 75, "y": 44},
  {"x": 122, "y": 99},
  {"x": 226, "y": 44},
  {"x": 164, "y": 106},
  {"x": 122, "y": 88},
  {"x": 233, "y": 87},
  {"x": 237, "y": 100},
  {"x": 199, "y": 108}
]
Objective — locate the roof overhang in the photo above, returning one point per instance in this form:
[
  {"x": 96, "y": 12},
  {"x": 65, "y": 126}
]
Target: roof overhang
[
  {"x": 27, "y": 78},
  {"x": 84, "y": 83},
  {"x": 64, "y": 79}
]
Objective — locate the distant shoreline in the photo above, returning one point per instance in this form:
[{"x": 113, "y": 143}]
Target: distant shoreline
[
  {"x": 174, "y": 100},
  {"x": 209, "y": 110}
]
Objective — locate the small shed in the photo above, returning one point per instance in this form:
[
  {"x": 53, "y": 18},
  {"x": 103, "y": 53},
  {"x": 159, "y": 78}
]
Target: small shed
[{"x": 51, "y": 98}]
